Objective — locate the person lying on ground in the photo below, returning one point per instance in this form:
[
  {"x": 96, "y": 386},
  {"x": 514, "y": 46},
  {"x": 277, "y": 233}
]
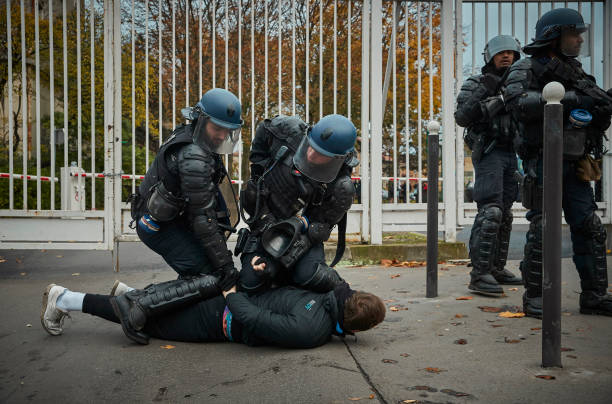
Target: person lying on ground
[{"x": 287, "y": 316}]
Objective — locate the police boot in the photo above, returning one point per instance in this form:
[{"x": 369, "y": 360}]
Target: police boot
[
  {"x": 324, "y": 279},
  {"x": 134, "y": 307},
  {"x": 593, "y": 272},
  {"x": 500, "y": 273},
  {"x": 531, "y": 269},
  {"x": 483, "y": 242}
]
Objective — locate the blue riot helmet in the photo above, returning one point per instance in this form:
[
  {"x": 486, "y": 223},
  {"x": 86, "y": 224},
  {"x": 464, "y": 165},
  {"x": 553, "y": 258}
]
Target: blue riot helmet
[
  {"x": 553, "y": 25},
  {"x": 217, "y": 121},
  {"x": 327, "y": 146},
  {"x": 501, "y": 43}
]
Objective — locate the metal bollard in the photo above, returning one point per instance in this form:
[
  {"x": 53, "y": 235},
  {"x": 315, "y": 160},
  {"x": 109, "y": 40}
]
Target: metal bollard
[
  {"x": 433, "y": 142},
  {"x": 551, "y": 218}
]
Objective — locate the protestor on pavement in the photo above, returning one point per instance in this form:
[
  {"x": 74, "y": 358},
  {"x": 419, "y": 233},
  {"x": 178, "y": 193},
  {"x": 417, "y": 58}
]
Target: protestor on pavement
[{"x": 285, "y": 316}]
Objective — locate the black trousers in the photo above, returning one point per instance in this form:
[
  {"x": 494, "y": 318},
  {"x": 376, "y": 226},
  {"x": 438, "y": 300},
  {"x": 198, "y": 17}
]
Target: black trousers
[
  {"x": 200, "y": 322},
  {"x": 495, "y": 179}
]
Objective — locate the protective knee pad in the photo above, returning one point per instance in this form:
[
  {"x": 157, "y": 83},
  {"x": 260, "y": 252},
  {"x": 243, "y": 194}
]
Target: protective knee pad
[
  {"x": 503, "y": 240},
  {"x": 483, "y": 240},
  {"x": 324, "y": 279},
  {"x": 592, "y": 265},
  {"x": 531, "y": 266}
]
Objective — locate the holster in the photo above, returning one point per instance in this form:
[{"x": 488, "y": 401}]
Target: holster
[
  {"x": 243, "y": 236},
  {"x": 588, "y": 169},
  {"x": 478, "y": 148},
  {"x": 532, "y": 192},
  {"x": 136, "y": 208}
]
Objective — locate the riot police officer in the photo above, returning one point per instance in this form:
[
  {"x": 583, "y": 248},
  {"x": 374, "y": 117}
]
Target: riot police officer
[
  {"x": 300, "y": 188},
  {"x": 587, "y": 109},
  {"x": 489, "y": 133},
  {"x": 179, "y": 210}
]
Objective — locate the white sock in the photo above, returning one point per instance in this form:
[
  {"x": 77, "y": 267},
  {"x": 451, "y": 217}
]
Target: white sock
[{"x": 70, "y": 301}]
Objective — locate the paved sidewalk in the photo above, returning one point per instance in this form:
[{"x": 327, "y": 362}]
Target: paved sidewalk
[{"x": 94, "y": 362}]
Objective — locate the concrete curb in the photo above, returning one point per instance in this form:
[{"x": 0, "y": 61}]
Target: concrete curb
[{"x": 401, "y": 252}]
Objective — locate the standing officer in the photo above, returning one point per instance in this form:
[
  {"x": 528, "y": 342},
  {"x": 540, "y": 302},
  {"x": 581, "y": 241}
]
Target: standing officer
[
  {"x": 587, "y": 110},
  {"x": 300, "y": 188},
  {"x": 179, "y": 209},
  {"x": 480, "y": 109}
]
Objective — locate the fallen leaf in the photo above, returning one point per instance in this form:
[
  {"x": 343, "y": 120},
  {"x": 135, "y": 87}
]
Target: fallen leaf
[
  {"x": 395, "y": 276},
  {"x": 59, "y": 256},
  {"x": 572, "y": 356},
  {"x": 434, "y": 370},
  {"x": 536, "y": 328},
  {"x": 28, "y": 325},
  {"x": 17, "y": 260},
  {"x": 443, "y": 269},
  {"x": 496, "y": 325},
  {"x": 396, "y": 263},
  {"x": 389, "y": 300},
  {"x": 565, "y": 313},
  {"x": 461, "y": 341},
  {"x": 546, "y": 377},
  {"x": 76, "y": 274},
  {"x": 511, "y": 341},
  {"x": 393, "y": 308},
  {"x": 513, "y": 289},
  {"x": 460, "y": 315},
  {"x": 567, "y": 349},
  {"x": 464, "y": 298},
  {"x": 389, "y": 361},
  {"x": 167, "y": 347},
  {"x": 509, "y": 314},
  {"x": 405, "y": 355},
  {"x": 371, "y": 396},
  {"x": 354, "y": 398},
  {"x": 457, "y": 323},
  {"x": 409, "y": 401}
]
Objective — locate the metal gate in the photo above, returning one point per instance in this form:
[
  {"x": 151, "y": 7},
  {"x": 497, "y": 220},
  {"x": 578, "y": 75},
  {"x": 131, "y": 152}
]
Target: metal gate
[{"x": 102, "y": 84}]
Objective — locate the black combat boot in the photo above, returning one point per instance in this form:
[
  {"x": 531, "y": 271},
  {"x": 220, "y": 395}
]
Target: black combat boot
[
  {"x": 483, "y": 241},
  {"x": 324, "y": 279},
  {"x": 499, "y": 272},
  {"x": 134, "y": 307}
]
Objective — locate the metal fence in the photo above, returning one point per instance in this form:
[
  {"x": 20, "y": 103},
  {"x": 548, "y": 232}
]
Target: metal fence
[{"x": 92, "y": 88}]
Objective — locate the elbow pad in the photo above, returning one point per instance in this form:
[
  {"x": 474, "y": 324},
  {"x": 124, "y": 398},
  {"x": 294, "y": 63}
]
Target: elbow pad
[
  {"x": 163, "y": 205},
  {"x": 531, "y": 105}
]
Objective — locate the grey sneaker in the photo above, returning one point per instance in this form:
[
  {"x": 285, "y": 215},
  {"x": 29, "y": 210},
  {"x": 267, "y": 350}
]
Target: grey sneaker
[
  {"x": 119, "y": 288},
  {"x": 52, "y": 318}
]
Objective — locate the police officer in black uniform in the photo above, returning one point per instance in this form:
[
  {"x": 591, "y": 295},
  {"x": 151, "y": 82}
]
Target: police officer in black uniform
[
  {"x": 587, "y": 110},
  {"x": 179, "y": 210},
  {"x": 300, "y": 188},
  {"x": 489, "y": 133}
]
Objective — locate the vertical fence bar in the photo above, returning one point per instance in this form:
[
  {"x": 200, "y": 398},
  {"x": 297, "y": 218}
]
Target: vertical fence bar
[
  {"x": 174, "y": 64},
  {"x": 394, "y": 130},
  {"x": 448, "y": 123},
  {"x": 320, "y": 59},
  {"x": 474, "y": 38},
  {"x": 159, "y": 84},
  {"x": 551, "y": 243},
  {"x": 65, "y": 52},
  {"x": 226, "y": 45},
  {"x": 252, "y": 68},
  {"x": 486, "y": 22},
  {"x": 513, "y": 19},
  {"x": 419, "y": 106},
  {"x": 348, "y": 60},
  {"x": 430, "y": 45},
  {"x": 240, "y": 151},
  {"x": 147, "y": 77},
  {"x": 51, "y": 109},
  {"x": 280, "y": 57},
  {"x": 407, "y": 102},
  {"x": 186, "y": 54},
  {"x": 214, "y": 40},
  {"x": 307, "y": 62},
  {"x": 433, "y": 140},
  {"x": 24, "y": 108},
  {"x": 92, "y": 102},
  {"x": 9, "y": 47},
  {"x": 293, "y": 57},
  {"x": 376, "y": 124},
  {"x": 335, "y": 51},
  {"x": 133, "y": 105},
  {"x": 37, "y": 95},
  {"x": 592, "y": 42},
  {"x": 200, "y": 16},
  {"x": 460, "y": 162},
  {"x": 499, "y": 18},
  {"x": 266, "y": 57},
  {"x": 79, "y": 103},
  {"x": 365, "y": 121}
]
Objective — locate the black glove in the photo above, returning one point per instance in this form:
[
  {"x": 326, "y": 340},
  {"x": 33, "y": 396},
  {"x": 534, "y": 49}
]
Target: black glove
[
  {"x": 491, "y": 106},
  {"x": 228, "y": 277},
  {"x": 491, "y": 82},
  {"x": 271, "y": 269}
]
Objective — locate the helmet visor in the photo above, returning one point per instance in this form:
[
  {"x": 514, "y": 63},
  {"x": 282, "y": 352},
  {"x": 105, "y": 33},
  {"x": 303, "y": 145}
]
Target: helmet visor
[
  {"x": 215, "y": 138},
  {"x": 575, "y": 41},
  {"x": 315, "y": 165}
]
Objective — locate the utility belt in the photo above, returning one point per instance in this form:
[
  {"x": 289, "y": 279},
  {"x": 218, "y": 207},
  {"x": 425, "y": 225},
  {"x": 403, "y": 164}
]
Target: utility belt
[{"x": 532, "y": 192}]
